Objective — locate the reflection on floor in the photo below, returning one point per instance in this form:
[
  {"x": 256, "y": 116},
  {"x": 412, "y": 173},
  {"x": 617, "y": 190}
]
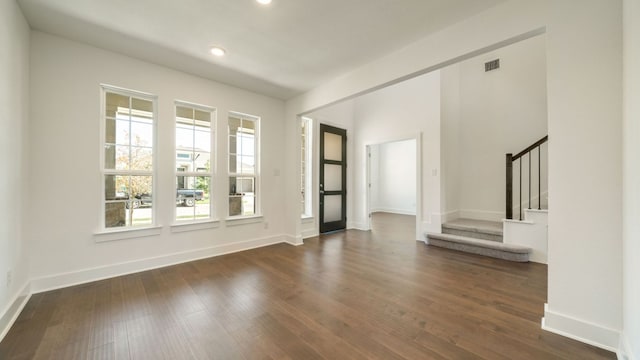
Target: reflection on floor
[{"x": 394, "y": 227}]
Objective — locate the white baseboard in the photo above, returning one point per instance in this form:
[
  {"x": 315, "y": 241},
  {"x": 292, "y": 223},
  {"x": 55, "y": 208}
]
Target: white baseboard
[
  {"x": 293, "y": 240},
  {"x": 624, "y": 349},
  {"x": 309, "y": 233},
  {"x": 394, "y": 211},
  {"x": 450, "y": 215},
  {"x": 358, "y": 226},
  {"x": 476, "y": 214},
  {"x": 62, "y": 280},
  {"x": 10, "y": 314},
  {"x": 583, "y": 331}
]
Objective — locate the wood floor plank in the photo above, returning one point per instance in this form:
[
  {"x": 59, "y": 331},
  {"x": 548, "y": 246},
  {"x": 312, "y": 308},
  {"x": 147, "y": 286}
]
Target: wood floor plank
[{"x": 347, "y": 295}]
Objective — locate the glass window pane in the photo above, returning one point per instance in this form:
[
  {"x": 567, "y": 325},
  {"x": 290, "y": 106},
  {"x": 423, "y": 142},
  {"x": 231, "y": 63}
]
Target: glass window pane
[
  {"x": 233, "y": 166},
  {"x": 116, "y": 157},
  {"x": 245, "y": 185},
  {"x": 110, "y": 131},
  {"x": 115, "y": 214},
  {"x": 232, "y": 145},
  {"x": 202, "y": 116},
  {"x": 247, "y": 145},
  {"x": 116, "y": 103},
  {"x": 184, "y": 112},
  {"x": 141, "y": 134},
  {"x": 184, "y": 138},
  {"x": 248, "y": 205},
  {"x": 193, "y": 200},
  {"x": 141, "y": 158},
  {"x": 332, "y": 208},
  {"x": 141, "y": 201},
  {"x": 115, "y": 187},
  {"x": 109, "y": 156},
  {"x": 183, "y": 161},
  {"x": 202, "y": 162},
  {"x": 234, "y": 124},
  {"x": 141, "y": 109},
  {"x": 203, "y": 141},
  {"x": 247, "y": 165},
  {"x": 122, "y": 132},
  {"x": 332, "y": 177},
  {"x": 248, "y": 124},
  {"x": 332, "y": 147}
]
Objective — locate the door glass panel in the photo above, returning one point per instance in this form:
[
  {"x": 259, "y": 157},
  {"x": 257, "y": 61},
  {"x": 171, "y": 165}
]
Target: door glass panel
[
  {"x": 332, "y": 208},
  {"x": 332, "y": 177},
  {"x": 332, "y": 147}
]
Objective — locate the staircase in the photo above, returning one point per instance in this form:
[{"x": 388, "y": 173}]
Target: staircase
[
  {"x": 478, "y": 237},
  {"x": 525, "y": 238}
]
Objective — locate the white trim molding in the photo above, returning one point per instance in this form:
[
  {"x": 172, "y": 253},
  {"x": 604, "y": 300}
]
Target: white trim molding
[
  {"x": 293, "y": 240},
  {"x": 581, "y": 330},
  {"x": 395, "y": 211},
  {"x": 13, "y": 310},
  {"x": 309, "y": 233},
  {"x": 62, "y": 280},
  {"x": 624, "y": 349},
  {"x": 478, "y": 214}
]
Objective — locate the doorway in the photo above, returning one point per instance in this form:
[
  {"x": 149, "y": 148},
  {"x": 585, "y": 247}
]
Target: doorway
[
  {"x": 392, "y": 196},
  {"x": 333, "y": 178}
]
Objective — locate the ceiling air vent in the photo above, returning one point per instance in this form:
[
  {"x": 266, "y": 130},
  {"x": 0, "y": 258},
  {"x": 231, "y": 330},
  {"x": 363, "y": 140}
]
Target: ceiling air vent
[{"x": 492, "y": 65}]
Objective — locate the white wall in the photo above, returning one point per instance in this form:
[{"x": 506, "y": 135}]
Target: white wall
[
  {"x": 65, "y": 173},
  {"x": 14, "y": 192},
  {"x": 631, "y": 180},
  {"x": 403, "y": 111},
  {"x": 450, "y": 142},
  {"x": 584, "y": 86},
  {"x": 393, "y": 177},
  {"x": 501, "y": 111}
]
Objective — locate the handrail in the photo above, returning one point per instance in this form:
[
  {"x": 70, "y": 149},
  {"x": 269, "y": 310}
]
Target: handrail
[
  {"x": 510, "y": 159},
  {"x": 530, "y": 147}
]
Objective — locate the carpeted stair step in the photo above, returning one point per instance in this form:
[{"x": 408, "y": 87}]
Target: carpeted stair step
[
  {"x": 479, "y": 229},
  {"x": 480, "y": 247}
]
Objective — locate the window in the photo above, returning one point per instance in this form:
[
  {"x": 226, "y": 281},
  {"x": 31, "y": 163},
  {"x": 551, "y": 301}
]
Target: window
[
  {"x": 128, "y": 157},
  {"x": 305, "y": 166},
  {"x": 243, "y": 165},
  {"x": 193, "y": 162}
]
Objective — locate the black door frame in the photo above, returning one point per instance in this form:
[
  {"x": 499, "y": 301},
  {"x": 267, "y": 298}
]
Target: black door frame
[{"x": 342, "y": 223}]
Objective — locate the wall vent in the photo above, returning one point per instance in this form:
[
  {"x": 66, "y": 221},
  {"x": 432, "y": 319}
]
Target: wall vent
[{"x": 492, "y": 65}]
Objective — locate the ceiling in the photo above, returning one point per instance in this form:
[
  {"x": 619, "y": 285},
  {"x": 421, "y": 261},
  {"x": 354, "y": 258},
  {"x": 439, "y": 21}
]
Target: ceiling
[{"x": 280, "y": 50}]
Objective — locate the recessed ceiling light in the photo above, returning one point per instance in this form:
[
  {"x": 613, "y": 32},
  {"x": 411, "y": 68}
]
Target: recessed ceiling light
[
  {"x": 264, "y": 2},
  {"x": 218, "y": 51}
]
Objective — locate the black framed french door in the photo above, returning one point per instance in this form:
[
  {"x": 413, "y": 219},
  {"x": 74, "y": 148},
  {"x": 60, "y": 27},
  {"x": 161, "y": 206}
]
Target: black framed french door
[{"x": 333, "y": 178}]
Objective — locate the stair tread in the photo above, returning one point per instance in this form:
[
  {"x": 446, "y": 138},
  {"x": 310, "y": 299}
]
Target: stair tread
[
  {"x": 482, "y": 226},
  {"x": 481, "y": 243}
]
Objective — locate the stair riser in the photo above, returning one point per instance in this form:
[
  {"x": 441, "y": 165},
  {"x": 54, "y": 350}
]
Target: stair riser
[
  {"x": 498, "y": 254},
  {"x": 472, "y": 234}
]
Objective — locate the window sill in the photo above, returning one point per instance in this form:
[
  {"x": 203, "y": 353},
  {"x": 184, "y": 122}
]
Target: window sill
[
  {"x": 306, "y": 219},
  {"x": 194, "y": 226},
  {"x": 129, "y": 233},
  {"x": 242, "y": 220}
]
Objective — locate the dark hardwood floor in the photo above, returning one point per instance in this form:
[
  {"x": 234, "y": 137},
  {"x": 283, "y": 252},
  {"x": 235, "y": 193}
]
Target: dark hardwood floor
[{"x": 348, "y": 295}]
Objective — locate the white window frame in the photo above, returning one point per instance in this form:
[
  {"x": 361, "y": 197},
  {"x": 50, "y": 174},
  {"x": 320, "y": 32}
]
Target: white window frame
[
  {"x": 256, "y": 175},
  {"x": 213, "y": 156},
  {"x": 306, "y": 170},
  {"x": 104, "y": 89}
]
